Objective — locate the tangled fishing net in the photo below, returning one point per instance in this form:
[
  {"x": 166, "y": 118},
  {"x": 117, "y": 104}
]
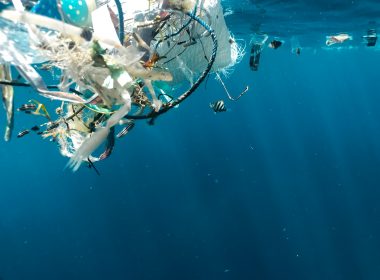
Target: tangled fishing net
[{"x": 113, "y": 62}]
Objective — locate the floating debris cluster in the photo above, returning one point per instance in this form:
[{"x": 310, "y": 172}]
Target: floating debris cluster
[
  {"x": 258, "y": 43},
  {"x": 115, "y": 63}
]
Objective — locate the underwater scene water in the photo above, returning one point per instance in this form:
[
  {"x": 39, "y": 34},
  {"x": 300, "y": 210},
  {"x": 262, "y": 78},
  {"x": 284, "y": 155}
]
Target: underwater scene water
[{"x": 283, "y": 185}]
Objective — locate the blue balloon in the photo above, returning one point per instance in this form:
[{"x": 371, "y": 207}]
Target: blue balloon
[
  {"x": 76, "y": 12},
  {"x": 47, "y": 8}
]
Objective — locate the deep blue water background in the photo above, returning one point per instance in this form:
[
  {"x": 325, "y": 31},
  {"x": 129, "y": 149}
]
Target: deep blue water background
[{"x": 285, "y": 185}]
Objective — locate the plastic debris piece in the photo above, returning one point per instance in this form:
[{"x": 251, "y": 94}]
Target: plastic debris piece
[
  {"x": 102, "y": 82},
  {"x": 103, "y": 26},
  {"x": 7, "y": 97},
  {"x": 99, "y": 136},
  {"x": 337, "y": 39}
]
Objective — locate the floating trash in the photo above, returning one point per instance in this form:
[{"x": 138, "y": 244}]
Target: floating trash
[
  {"x": 117, "y": 62},
  {"x": 257, "y": 44},
  {"x": 337, "y": 39},
  {"x": 7, "y": 97},
  {"x": 370, "y": 38}
]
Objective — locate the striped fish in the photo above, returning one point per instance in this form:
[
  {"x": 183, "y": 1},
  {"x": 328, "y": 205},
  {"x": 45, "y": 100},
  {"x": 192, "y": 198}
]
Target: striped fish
[
  {"x": 27, "y": 107},
  {"x": 125, "y": 130},
  {"x": 23, "y": 133},
  {"x": 7, "y": 96},
  {"x": 218, "y": 106}
]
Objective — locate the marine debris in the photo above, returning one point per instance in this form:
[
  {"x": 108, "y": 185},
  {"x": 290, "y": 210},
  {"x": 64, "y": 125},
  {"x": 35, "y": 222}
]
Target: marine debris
[
  {"x": 337, "y": 39},
  {"x": 116, "y": 63},
  {"x": 257, "y": 44},
  {"x": 7, "y": 97},
  {"x": 371, "y": 37}
]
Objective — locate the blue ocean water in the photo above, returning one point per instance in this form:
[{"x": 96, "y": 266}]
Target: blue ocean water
[{"x": 284, "y": 185}]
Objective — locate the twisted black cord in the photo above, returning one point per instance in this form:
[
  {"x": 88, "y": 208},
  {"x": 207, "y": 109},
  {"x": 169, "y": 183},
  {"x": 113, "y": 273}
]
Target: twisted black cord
[{"x": 194, "y": 12}]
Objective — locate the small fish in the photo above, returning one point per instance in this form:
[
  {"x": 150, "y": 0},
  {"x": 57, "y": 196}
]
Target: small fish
[
  {"x": 275, "y": 44},
  {"x": 51, "y": 126},
  {"x": 218, "y": 106},
  {"x": 35, "y": 128},
  {"x": 23, "y": 133},
  {"x": 125, "y": 130},
  {"x": 27, "y": 107}
]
